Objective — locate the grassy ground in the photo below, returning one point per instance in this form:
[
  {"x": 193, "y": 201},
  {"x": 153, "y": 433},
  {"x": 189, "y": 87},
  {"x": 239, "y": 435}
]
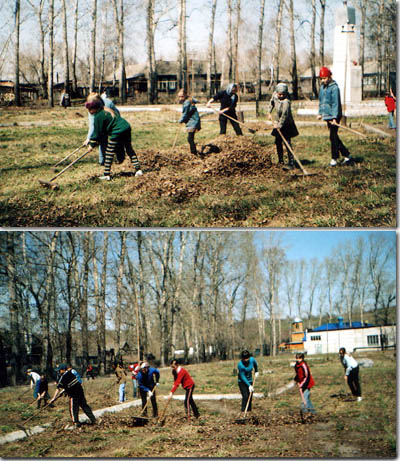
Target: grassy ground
[
  {"x": 179, "y": 190},
  {"x": 342, "y": 428}
]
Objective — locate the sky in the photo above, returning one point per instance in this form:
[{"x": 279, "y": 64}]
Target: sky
[{"x": 310, "y": 244}]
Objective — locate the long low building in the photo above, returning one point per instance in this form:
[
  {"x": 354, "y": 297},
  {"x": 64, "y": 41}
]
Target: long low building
[{"x": 330, "y": 337}]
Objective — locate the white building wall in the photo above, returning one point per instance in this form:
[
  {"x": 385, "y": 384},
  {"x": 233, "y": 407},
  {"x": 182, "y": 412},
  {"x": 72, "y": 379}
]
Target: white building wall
[{"x": 332, "y": 340}]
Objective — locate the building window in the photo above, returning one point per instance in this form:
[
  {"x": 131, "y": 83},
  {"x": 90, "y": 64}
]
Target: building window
[
  {"x": 316, "y": 338},
  {"x": 372, "y": 340}
]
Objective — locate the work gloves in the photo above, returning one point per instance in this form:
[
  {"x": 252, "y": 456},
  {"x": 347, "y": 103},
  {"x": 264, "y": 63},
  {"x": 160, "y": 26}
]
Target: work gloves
[
  {"x": 150, "y": 394},
  {"x": 251, "y": 388},
  {"x": 256, "y": 374}
]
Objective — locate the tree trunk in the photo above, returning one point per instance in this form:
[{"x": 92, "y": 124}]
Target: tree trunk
[
  {"x": 65, "y": 48},
  {"x": 75, "y": 50},
  {"x": 277, "y": 51},
  {"x": 102, "y": 306},
  {"x": 50, "y": 76},
  {"x": 119, "y": 22},
  {"x": 210, "y": 86},
  {"x": 151, "y": 59},
  {"x": 312, "y": 51},
  {"x": 230, "y": 42},
  {"x": 293, "y": 71},
  {"x": 92, "y": 64},
  {"x": 17, "y": 13},
  {"x": 84, "y": 300},
  {"x": 47, "y": 351},
  {"x": 322, "y": 33},
  {"x": 183, "y": 67},
  {"x": 118, "y": 307},
  {"x": 363, "y": 8},
  {"x": 142, "y": 294},
  {"x": 259, "y": 55},
  {"x": 236, "y": 44},
  {"x": 15, "y": 359}
]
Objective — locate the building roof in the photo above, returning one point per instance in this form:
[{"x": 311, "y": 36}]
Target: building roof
[{"x": 341, "y": 326}]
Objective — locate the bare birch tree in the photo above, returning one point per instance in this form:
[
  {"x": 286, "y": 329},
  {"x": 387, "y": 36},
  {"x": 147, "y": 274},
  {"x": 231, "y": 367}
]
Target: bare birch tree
[
  {"x": 17, "y": 23},
  {"x": 210, "y": 85},
  {"x": 92, "y": 60},
  {"x": 259, "y": 54},
  {"x": 151, "y": 58},
  {"x": 65, "y": 48},
  {"x": 277, "y": 45},
  {"x": 50, "y": 74},
  {"x": 183, "y": 66},
  {"x": 312, "y": 50},
  {"x": 75, "y": 49},
  {"x": 293, "y": 57}
]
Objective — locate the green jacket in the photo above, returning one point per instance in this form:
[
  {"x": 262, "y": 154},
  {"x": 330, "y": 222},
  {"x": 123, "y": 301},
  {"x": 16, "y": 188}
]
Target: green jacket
[{"x": 105, "y": 125}]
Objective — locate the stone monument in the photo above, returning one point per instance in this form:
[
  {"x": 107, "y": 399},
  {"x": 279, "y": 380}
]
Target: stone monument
[{"x": 346, "y": 69}]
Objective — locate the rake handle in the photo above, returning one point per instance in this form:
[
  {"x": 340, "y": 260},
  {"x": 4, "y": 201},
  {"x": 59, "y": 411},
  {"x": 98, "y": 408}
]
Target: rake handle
[
  {"x": 248, "y": 400},
  {"x": 292, "y": 151},
  {"x": 69, "y": 155},
  {"x": 69, "y": 166},
  {"x": 349, "y": 129},
  {"x": 165, "y": 409},
  {"x": 302, "y": 397},
  {"x": 227, "y": 116},
  {"x": 176, "y": 137},
  {"x": 43, "y": 408}
]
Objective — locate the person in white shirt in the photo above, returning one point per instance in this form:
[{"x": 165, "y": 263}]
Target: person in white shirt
[
  {"x": 34, "y": 378},
  {"x": 351, "y": 376}
]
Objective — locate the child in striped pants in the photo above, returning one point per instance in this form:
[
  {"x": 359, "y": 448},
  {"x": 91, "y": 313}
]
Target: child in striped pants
[{"x": 118, "y": 132}]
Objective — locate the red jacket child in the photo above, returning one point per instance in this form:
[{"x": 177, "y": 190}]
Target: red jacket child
[{"x": 390, "y": 103}]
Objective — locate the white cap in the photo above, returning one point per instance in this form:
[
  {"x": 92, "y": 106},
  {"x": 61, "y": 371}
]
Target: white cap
[{"x": 144, "y": 365}]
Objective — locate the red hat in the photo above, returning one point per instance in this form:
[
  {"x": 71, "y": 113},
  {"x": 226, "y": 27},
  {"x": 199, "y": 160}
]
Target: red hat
[{"x": 324, "y": 72}]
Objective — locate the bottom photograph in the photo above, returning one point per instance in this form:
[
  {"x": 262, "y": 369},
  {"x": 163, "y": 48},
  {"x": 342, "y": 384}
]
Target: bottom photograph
[{"x": 200, "y": 344}]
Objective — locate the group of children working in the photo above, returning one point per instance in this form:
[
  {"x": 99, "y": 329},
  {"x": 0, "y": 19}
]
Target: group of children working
[
  {"x": 112, "y": 133},
  {"x": 146, "y": 379}
]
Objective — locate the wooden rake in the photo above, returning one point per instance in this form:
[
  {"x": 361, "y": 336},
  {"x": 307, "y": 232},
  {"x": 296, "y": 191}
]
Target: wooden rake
[
  {"x": 22, "y": 425},
  {"x": 161, "y": 419},
  {"x": 243, "y": 420},
  {"x": 53, "y": 186},
  {"x": 68, "y": 156},
  {"x": 349, "y": 129},
  {"x": 237, "y": 121},
  {"x": 305, "y": 172}
]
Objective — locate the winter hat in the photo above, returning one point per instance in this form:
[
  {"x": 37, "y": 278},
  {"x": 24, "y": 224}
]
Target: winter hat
[
  {"x": 94, "y": 104},
  {"x": 144, "y": 365},
  {"x": 282, "y": 88},
  {"x": 63, "y": 366},
  {"x": 245, "y": 354},
  {"x": 324, "y": 72}
]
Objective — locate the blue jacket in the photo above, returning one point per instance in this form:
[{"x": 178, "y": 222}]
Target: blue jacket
[
  {"x": 330, "y": 106},
  {"x": 245, "y": 372},
  {"x": 148, "y": 380},
  {"x": 190, "y": 114}
]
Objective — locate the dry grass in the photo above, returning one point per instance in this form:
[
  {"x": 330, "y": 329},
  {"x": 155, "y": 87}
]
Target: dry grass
[
  {"x": 342, "y": 427},
  {"x": 179, "y": 190}
]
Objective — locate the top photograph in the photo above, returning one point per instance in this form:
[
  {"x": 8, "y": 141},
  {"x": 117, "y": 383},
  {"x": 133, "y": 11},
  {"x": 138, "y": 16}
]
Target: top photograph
[{"x": 198, "y": 114}]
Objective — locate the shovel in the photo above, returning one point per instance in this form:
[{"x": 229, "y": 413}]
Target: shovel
[
  {"x": 237, "y": 121},
  {"x": 141, "y": 420},
  {"x": 161, "y": 419},
  {"x": 350, "y": 129},
  {"x": 68, "y": 156},
  {"x": 53, "y": 186},
  {"x": 243, "y": 420},
  {"x": 305, "y": 172}
]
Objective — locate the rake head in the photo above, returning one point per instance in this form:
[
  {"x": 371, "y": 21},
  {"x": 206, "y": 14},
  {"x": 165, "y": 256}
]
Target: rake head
[{"x": 48, "y": 185}]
